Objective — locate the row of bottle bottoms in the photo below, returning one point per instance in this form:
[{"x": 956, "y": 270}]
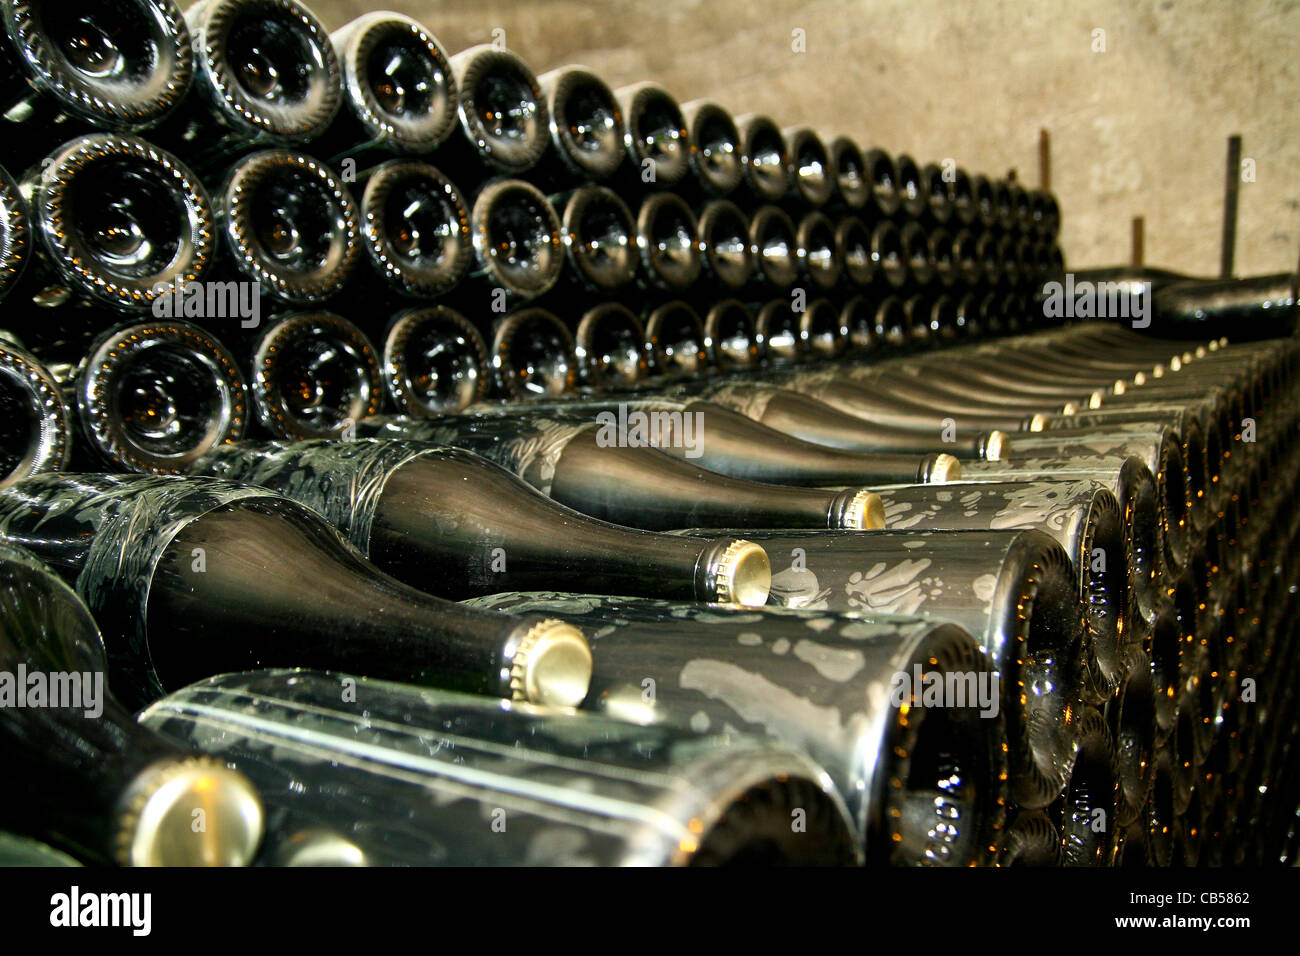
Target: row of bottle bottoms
[
  {"x": 113, "y": 222},
  {"x": 384, "y": 85}
]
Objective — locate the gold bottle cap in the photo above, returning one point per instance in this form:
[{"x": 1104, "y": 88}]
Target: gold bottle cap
[
  {"x": 1176, "y": 364},
  {"x": 744, "y": 575},
  {"x": 1158, "y": 372},
  {"x": 552, "y": 667},
  {"x": 866, "y": 512},
  {"x": 1119, "y": 388},
  {"x": 998, "y": 442},
  {"x": 190, "y": 812},
  {"x": 946, "y": 468},
  {"x": 1202, "y": 351},
  {"x": 1095, "y": 399},
  {"x": 1039, "y": 422},
  {"x": 1140, "y": 378},
  {"x": 319, "y": 848},
  {"x": 1069, "y": 408}
]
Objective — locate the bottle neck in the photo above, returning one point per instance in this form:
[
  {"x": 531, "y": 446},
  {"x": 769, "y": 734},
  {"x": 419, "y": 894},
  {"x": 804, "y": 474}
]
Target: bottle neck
[
  {"x": 458, "y": 526},
  {"x": 298, "y": 596},
  {"x": 644, "y": 488}
]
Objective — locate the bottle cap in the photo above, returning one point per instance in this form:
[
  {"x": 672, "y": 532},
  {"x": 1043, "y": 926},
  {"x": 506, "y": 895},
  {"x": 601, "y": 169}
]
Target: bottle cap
[
  {"x": 997, "y": 443},
  {"x": 319, "y": 848},
  {"x": 864, "y": 512},
  {"x": 744, "y": 575},
  {"x": 552, "y": 666},
  {"x": 190, "y": 812},
  {"x": 1095, "y": 399},
  {"x": 1119, "y": 387},
  {"x": 945, "y": 468},
  {"x": 1038, "y": 422}
]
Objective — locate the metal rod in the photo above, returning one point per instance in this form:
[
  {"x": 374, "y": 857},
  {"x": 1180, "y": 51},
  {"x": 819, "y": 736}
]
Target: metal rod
[
  {"x": 1232, "y": 185},
  {"x": 1138, "y": 241},
  {"x": 1045, "y": 160}
]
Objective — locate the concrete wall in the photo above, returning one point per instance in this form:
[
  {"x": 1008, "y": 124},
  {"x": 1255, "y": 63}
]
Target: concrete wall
[{"x": 1137, "y": 129}]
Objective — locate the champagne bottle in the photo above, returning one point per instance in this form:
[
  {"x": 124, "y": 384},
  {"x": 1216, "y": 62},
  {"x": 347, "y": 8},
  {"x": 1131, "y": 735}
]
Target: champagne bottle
[
  {"x": 584, "y": 466},
  {"x": 1131, "y": 717},
  {"x": 677, "y": 343},
  {"x": 924, "y": 781},
  {"x": 265, "y": 74},
  {"x": 399, "y": 94},
  {"x": 939, "y": 208},
  {"x": 812, "y": 180},
  {"x": 447, "y": 521},
  {"x": 715, "y": 151},
  {"x": 667, "y": 239},
  {"x": 122, "y": 65},
  {"x": 913, "y": 198},
  {"x": 1089, "y": 796},
  {"x": 414, "y": 229},
  {"x": 518, "y": 251},
  {"x": 35, "y": 430},
  {"x": 313, "y": 375},
  {"x": 775, "y": 246},
  {"x": 1160, "y": 450},
  {"x": 600, "y": 242},
  {"x": 434, "y": 361},
  {"x": 739, "y": 446},
  {"x": 765, "y": 164},
  {"x": 853, "y": 248},
  {"x": 962, "y": 196},
  {"x": 502, "y": 113},
  {"x": 82, "y": 774},
  {"x": 173, "y": 567},
  {"x": 120, "y": 223},
  {"x": 883, "y": 175},
  {"x": 1134, "y": 487},
  {"x": 820, "y": 264},
  {"x": 726, "y": 258},
  {"x": 1084, "y": 518},
  {"x": 586, "y": 129},
  {"x": 416, "y": 777},
  {"x": 534, "y": 355},
  {"x": 852, "y": 179},
  {"x": 729, "y": 326},
  {"x": 1030, "y": 839},
  {"x": 289, "y": 225},
  {"x": 156, "y": 396},
  {"x": 1015, "y": 591},
  {"x": 655, "y": 135},
  {"x": 610, "y": 346},
  {"x": 888, "y": 258}
]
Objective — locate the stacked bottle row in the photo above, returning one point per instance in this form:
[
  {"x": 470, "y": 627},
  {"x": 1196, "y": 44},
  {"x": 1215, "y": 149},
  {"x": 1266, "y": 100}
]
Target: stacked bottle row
[{"x": 703, "y": 208}]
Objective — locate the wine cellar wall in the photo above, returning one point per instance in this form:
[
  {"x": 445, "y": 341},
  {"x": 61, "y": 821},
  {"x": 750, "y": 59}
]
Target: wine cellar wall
[{"x": 410, "y": 459}]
